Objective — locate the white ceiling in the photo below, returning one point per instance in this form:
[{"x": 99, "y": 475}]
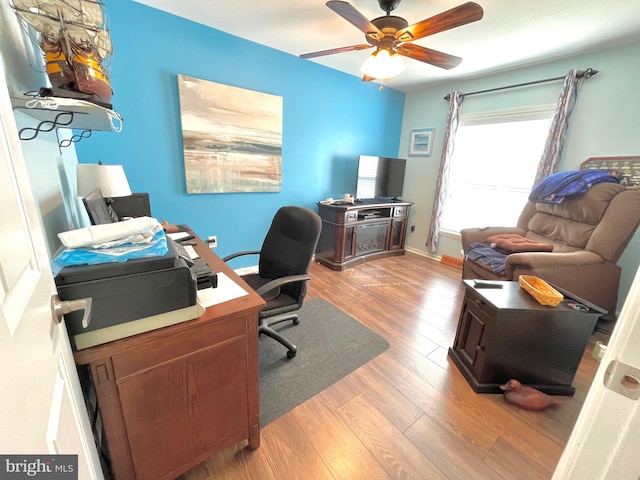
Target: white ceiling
[{"x": 511, "y": 34}]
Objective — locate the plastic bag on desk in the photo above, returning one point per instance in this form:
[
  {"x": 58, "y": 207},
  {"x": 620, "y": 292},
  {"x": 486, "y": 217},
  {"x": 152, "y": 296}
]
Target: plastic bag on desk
[
  {"x": 157, "y": 246},
  {"x": 135, "y": 230}
]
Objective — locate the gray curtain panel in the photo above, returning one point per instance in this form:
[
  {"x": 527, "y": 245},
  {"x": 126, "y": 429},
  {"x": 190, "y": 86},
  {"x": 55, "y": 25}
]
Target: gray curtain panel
[
  {"x": 559, "y": 125},
  {"x": 455, "y": 104}
]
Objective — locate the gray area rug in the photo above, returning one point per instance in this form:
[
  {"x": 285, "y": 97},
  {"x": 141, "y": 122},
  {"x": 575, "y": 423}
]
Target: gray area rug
[{"x": 331, "y": 344}]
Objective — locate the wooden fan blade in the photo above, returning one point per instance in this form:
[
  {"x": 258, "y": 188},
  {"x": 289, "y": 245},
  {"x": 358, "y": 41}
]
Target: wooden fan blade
[
  {"x": 354, "y": 17},
  {"x": 322, "y": 53},
  {"x": 426, "y": 55},
  {"x": 367, "y": 78},
  {"x": 456, "y": 17}
]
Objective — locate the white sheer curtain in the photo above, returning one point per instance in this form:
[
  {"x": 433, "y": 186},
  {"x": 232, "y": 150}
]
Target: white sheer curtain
[
  {"x": 559, "y": 125},
  {"x": 443, "y": 174}
]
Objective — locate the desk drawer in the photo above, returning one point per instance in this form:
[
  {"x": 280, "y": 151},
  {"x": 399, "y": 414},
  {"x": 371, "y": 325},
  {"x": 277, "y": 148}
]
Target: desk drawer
[
  {"x": 481, "y": 306},
  {"x": 174, "y": 346},
  {"x": 400, "y": 212}
]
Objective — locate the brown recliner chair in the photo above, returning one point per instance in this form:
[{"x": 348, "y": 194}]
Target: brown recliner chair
[{"x": 588, "y": 235}]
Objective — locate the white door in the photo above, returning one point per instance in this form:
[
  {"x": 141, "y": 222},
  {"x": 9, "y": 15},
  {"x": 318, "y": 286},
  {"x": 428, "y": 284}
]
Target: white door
[
  {"x": 604, "y": 444},
  {"x": 42, "y": 411}
]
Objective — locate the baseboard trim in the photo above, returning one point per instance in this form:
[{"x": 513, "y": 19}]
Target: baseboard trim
[
  {"x": 254, "y": 268},
  {"x": 444, "y": 259},
  {"x": 422, "y": 253},
  {"x": 246, "y": 270}
]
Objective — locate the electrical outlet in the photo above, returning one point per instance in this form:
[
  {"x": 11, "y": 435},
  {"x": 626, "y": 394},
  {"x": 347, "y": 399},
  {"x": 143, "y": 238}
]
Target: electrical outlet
[
  {"x": 213, "y": 241},
  {"x": 413, "y": 226}
]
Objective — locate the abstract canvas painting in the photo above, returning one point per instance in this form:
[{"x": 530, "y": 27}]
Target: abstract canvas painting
[{"x": 232, "y": 137}]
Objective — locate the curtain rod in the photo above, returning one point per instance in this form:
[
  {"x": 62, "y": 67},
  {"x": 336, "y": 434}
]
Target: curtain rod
[{"x": 588, "y": 73}]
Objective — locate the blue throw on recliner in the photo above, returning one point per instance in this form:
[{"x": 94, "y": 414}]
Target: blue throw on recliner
[
  {"x": 572, "y": 183},
  {"x": 488, "y": 255}
]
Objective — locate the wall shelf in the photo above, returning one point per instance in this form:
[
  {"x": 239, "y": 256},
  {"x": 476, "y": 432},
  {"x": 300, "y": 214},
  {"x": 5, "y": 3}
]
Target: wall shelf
[{"x": 60, "y": 112}]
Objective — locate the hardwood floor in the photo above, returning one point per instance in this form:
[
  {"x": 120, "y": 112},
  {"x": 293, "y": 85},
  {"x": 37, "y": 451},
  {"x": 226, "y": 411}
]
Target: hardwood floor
[{"x": 407, "y": 414}]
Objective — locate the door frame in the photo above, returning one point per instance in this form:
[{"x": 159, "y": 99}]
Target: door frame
[{"x": 604, "y": 441}]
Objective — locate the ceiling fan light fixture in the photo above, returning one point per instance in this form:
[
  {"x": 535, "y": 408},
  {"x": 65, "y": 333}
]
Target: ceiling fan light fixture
[{"x": 383, "y": 64}]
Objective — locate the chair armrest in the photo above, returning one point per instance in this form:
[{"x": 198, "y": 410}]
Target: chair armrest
[
  {"x": 584, "y": 273},
  {"x": 239, "y": 254},
  {"x": 278, "y": 282},
  {"x": 470, "y": 235},
  {"x": 536, "y": 260}
]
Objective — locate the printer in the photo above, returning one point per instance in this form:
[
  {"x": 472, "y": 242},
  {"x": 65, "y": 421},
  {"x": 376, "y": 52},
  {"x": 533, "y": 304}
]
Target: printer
[{"x": 141, "y": 288}]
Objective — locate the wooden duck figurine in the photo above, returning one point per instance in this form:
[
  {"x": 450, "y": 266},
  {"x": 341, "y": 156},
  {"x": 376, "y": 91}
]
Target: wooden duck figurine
[{"x": 526, "y": 397}]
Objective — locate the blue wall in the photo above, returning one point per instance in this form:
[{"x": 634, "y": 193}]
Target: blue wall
[{"x": 329, "y": 119}]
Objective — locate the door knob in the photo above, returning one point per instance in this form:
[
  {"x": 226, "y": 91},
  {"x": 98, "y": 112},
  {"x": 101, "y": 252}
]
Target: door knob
[{"x": 62, "y": 307}]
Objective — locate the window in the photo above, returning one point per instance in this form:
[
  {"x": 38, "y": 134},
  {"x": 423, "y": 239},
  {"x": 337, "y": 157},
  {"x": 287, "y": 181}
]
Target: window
[
  {"x": 367, "y": 171},
  {"x": 493, "y": 167}
]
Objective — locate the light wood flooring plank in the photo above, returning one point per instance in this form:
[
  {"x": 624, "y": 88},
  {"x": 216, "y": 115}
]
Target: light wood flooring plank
[
  {"x": 340, "y": 393},
  {"x": 513, "y": 464},
  {"x": 458, "y": 419},
  {"x": 440, "y": 357},
  {"x": 399, "y": 457},
  {"x": 393, "y": 404},
  {"x": 341, "y": 450},
  {"x": 447, "y": 452},
  {"x": 233, "y": 463},
  {"x": 290, "y": 453}
]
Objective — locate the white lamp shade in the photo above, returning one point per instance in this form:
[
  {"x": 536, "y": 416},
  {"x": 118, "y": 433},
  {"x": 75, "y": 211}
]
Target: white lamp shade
[
  {"x": 383, "y": 64},
  {"x": 110, "y": 179}
]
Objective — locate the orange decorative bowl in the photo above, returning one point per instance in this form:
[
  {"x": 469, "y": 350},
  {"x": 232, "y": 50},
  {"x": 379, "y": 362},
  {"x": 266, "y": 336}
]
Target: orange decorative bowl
[{"x": 544, "y": 293}]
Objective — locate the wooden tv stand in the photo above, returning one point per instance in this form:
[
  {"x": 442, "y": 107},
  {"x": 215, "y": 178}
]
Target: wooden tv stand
[{"x": 353, "y": 233}]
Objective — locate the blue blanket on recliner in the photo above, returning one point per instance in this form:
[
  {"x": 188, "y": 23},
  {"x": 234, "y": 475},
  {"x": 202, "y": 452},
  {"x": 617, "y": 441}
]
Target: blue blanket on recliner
[
  {"x": 572, "y": 183},
  {"x": 485, "y": 253}
]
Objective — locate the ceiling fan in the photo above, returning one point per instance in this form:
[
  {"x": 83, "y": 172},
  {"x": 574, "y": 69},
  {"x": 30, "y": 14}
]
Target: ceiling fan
[{"x": 389, "y": 35}]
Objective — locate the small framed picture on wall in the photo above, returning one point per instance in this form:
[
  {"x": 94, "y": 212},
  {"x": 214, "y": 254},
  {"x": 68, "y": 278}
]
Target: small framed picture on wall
[{"x": 421, "y": 143}]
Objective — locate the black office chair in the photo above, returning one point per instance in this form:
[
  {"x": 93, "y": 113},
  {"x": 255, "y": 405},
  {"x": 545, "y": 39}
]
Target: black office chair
[{"x": 283, "y": 268}]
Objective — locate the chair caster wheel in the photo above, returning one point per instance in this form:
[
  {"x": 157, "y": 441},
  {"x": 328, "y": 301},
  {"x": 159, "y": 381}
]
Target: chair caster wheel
[
  {"x": 296, "y": 321},
  {"x": 291, "y": 354}
]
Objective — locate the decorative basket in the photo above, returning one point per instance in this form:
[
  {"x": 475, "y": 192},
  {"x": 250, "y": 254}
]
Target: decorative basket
[{"x": 544, "y": 293}]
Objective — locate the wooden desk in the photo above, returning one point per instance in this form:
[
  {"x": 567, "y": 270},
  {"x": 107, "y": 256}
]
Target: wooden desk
[{"x": 172, "y": 397}]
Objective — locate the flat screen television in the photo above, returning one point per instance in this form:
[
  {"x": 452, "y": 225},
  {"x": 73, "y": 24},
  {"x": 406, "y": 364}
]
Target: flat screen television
[{"x": 380, "y": 177}]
